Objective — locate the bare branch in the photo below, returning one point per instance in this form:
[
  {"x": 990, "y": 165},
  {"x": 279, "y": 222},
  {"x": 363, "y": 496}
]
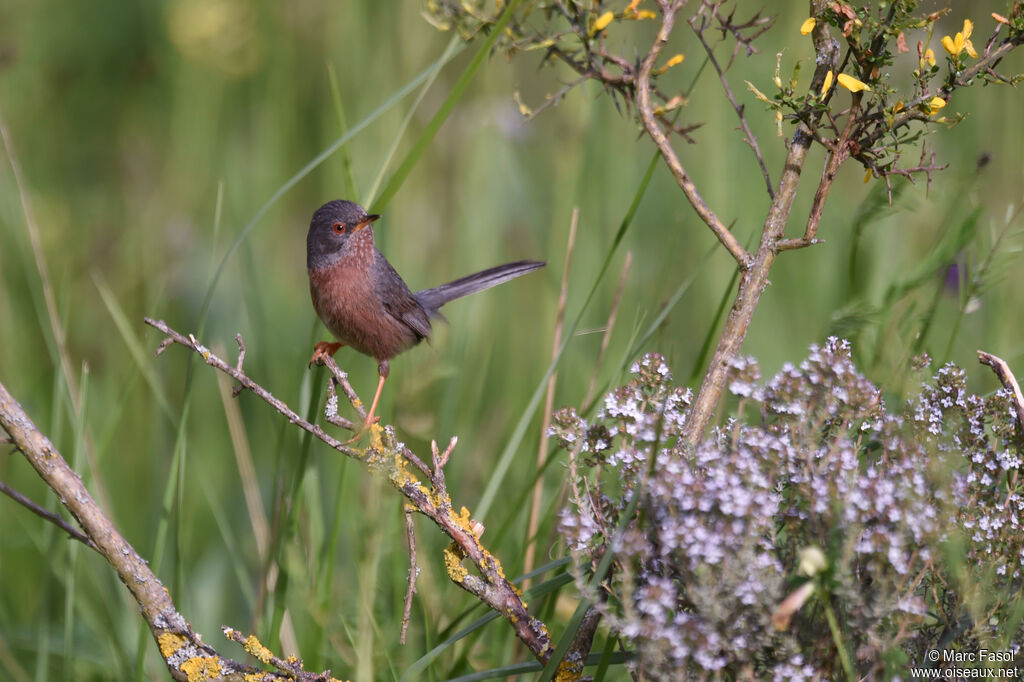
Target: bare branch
[
  {"x": 668, "y": 153},
  {"x": 754, "y": 278}
]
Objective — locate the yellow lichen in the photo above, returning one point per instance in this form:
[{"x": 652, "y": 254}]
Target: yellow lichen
[
  {"x": 254, "y": 647},
  {"x": 453, "y": 564},
  {"x": 376, "y": 436},
  {"x": 201, "y": 668},
  {"x": 255, "y": 677},
  {"x": 169, "y": 643},
  {"x": 567, "y": 672}
]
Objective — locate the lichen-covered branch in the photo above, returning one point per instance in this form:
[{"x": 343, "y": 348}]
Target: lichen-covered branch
[
  {"x": 386, "y": 456},
  {"x": 186, "y": 656}
]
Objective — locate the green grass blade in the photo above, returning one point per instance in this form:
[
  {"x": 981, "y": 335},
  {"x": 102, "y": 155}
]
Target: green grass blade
[
  {"x": 453, "y": 46},
  {"x": 339, "y": 111},
  {"x": 138, "y": 352},
  {"x": 439, "y": 118},
  {"x": 70, "y": 594},
  {"x": 306, "y": 170}
]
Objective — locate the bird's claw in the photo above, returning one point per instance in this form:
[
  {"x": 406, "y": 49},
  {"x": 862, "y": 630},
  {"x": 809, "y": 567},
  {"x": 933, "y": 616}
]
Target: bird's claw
[
  {"x": 370, "y": 420},
  {"x": 321, "y": 350}
]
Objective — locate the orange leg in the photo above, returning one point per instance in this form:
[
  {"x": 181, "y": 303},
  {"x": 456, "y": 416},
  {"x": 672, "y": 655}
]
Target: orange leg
[
  {"x": 322, "y": 350},
  {"x": 373, "y": 406},
  {"x": 383, "y": 368}
]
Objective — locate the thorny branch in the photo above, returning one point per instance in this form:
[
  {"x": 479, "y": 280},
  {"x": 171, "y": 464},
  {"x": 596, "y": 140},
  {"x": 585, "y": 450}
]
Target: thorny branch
[{"x": 389, "y": 457}]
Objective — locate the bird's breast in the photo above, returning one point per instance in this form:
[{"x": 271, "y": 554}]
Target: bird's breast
[{"x": 347, "y": 302}]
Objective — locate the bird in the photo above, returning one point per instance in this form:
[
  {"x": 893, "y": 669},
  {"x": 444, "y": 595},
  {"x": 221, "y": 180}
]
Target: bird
[{"x": 364, "y": 302}]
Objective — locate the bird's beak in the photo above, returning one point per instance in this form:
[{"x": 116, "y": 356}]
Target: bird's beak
[{"x": 366, "y": 221}]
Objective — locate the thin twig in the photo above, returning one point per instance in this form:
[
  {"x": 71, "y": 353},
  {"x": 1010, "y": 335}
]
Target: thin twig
[
  {"x": 291, "y": 666},
  {"x": 748, "y": 135},
  {"x": 414, "y": 571},
  {"x": 668, "y": 153},
  {"x": 55, "y": 519},
  {"x": 440, "y": 459},
  {"x": 241, "y": 358},
  {"x": 834, "y": 159}
]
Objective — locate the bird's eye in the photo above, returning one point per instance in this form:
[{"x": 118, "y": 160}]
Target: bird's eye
[{"x": 339, "y": 228}]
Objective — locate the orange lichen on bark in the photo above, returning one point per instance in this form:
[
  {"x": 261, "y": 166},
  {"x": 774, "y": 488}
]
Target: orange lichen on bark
[
  {"x": 169, "y": 643},
  {"x": 453, "y": 564},
  {"x": 256, "y": 648},
  {"x": 567, "y": 672},
  {"x": 201, "y": 668}
]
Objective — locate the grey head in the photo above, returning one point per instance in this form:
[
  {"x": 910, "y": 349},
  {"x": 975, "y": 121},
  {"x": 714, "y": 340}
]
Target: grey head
[{"x": 332, "y": 226}]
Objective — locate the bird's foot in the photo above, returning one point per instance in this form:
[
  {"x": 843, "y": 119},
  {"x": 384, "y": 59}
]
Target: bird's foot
[
  {"x": 322, "y": 350},
  {"x": 370, "y": 420}
]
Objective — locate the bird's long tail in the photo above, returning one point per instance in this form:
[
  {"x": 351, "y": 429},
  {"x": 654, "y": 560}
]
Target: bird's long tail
[{"x": 433, "y": 299}]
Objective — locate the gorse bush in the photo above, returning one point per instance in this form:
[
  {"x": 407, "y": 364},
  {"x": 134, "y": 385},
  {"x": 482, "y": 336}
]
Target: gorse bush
[{"x": 816, "y": 519}]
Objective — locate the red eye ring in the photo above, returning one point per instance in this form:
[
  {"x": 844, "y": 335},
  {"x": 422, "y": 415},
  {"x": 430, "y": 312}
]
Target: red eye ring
[{"x": 338, "y": 227}]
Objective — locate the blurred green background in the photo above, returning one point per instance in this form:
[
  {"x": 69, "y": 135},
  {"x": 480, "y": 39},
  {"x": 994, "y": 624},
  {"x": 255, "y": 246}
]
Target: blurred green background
[{"x": 150, "y": 134}]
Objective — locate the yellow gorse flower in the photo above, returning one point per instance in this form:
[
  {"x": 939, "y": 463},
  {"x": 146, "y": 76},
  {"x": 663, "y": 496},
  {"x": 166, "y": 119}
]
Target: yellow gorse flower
[
  {"x": 602, "y": 22},
  {"x": 852, "y": 84},
  {"x": 961, "y": 41},
  {"x": 929, "y": 57},
  {"x": 808, "y": 25},
  {"x": 934, "y": 104},
  {"x": 631, "y": 12},
  {"x": 675, "y": 59},
  {"x": 827, "y": 84}
]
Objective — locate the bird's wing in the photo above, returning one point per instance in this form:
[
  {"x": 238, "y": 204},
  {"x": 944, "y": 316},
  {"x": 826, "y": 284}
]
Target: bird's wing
[{"x": 397, "y": 300}]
